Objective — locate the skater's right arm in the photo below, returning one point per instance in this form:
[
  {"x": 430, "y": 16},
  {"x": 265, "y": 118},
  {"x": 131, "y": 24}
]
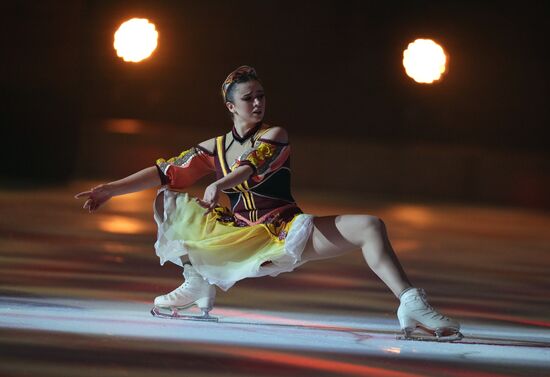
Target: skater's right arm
[
  {"x": 178, "y": 172},
  {"x": 99, "y": 195}
]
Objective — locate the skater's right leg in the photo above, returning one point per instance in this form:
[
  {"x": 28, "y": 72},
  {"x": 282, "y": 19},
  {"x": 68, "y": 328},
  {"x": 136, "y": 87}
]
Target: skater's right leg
[{"x": 194, "y": 291}]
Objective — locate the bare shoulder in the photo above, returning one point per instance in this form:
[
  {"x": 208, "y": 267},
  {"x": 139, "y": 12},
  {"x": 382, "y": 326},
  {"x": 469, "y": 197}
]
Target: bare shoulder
[
  {"x": 208, "y": 145},
  {"x": 276, "y": 133}
]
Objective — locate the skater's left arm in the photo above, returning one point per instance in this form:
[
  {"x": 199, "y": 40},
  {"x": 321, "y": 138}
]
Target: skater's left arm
[
  {"x": 248, "y": 165},
  {"x": 268, "y": 154},
  {"x": 212, "y": 192}
]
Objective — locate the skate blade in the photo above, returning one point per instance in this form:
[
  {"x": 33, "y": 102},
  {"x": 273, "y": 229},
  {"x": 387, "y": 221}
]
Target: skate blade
[
  {"x": 431, "y": 338},
  {"x": 205, "y": 317}
]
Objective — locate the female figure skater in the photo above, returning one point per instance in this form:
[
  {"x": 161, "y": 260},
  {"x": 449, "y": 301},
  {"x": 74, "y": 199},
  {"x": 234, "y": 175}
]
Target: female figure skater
[{"x": 265, "y": 232}]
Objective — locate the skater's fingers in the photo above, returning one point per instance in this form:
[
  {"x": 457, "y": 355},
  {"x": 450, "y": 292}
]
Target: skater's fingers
[
  {"x": 87, "y": 204},
  {"x": 202, "y": 203},
  {"x": 83, "y": 193},
  {"x": 210, "y": 208}
]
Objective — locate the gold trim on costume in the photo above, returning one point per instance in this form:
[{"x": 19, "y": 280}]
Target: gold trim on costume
[{"x": 243, "y": 188}]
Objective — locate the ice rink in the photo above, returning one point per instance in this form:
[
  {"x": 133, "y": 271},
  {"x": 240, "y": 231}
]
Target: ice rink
[{"x": 76, "y": 290}]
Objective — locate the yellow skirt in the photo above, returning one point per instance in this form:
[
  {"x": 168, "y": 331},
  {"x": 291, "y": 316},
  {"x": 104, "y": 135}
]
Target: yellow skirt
[{"x": 220, "y": 251}]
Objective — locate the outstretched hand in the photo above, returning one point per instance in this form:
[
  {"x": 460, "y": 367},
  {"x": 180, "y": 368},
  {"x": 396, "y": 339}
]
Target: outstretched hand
[
  {"x": 95, "y": 197},
  {"x": 210, "y": 198}
]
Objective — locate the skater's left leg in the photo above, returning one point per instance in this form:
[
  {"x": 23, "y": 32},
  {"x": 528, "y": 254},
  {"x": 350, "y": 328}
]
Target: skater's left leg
[{"x": 337, "y": 235}]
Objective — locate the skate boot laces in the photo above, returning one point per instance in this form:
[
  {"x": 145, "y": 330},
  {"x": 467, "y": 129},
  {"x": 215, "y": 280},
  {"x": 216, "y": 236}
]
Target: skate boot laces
[
  {"x": 178, "y": 291},
  {"x": 427, "y": 309}
]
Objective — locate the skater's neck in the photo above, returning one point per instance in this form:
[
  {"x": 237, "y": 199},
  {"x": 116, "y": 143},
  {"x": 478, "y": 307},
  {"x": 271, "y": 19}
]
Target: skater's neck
[{"x": 242, "y": 131}]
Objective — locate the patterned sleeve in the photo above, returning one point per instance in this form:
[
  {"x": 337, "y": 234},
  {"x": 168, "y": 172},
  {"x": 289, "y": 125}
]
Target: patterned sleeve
[
  {"x": 265, "y": 157},
  {"x": 184, "y": 170}
]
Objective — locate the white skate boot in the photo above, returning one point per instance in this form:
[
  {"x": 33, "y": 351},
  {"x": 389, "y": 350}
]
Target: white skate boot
[
  {"x": 194, "y": 291},
  {"x": 415, "y": 312}
]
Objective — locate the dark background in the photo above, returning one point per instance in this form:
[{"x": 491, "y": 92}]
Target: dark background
[{"x": 332, "y": 71}]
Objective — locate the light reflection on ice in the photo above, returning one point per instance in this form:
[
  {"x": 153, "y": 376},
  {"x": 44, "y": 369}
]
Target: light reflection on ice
[
  {"x": 392, "y": 350},
  {"x": 375, "y": 336}
]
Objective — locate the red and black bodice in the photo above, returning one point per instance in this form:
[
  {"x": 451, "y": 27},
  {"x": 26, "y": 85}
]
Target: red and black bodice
[{"x": 265, "y": 197}]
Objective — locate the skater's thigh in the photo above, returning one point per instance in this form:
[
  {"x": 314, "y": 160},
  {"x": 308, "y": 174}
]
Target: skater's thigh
[{"x": 336, "y": 235}]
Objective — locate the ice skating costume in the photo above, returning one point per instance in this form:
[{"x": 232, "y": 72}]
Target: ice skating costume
[{"x": 264, "y": 232}]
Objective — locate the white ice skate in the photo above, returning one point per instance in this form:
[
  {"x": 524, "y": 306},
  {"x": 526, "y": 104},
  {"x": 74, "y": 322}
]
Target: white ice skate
[
  {"x": 415, "y": 312},
  {"x": 194, "y": 291}
]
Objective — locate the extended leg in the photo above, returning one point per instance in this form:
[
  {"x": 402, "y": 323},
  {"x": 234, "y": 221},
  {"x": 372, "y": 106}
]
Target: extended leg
[{"x": 337, "y": 235}]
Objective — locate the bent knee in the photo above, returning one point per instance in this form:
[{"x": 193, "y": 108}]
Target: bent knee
[{"x": 372, "y": 223}]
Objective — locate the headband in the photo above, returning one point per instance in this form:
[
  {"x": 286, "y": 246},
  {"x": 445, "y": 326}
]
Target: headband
[{"x": 234, "y": 76}]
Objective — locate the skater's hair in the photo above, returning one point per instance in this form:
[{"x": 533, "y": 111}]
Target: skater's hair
[{"x": 244, "y": 73}]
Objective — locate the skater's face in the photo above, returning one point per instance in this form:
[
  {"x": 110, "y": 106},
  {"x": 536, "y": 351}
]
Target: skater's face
[{"x": 248, "y": 102}]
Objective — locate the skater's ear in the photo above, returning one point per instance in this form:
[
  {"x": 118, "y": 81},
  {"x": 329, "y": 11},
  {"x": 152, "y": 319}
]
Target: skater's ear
[{"x": 230, "y": 106}]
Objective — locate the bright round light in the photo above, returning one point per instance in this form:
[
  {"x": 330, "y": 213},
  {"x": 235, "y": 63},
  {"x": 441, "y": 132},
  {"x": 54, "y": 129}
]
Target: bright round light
[
  {"x": 135, "y": 40},
  {"x": 424, "y": 61}
]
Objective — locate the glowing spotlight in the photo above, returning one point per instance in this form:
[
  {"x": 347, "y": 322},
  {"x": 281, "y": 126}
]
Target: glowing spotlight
[
  {"x": 135, "y": 40},
  {"x": 424, "y": 61}
]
